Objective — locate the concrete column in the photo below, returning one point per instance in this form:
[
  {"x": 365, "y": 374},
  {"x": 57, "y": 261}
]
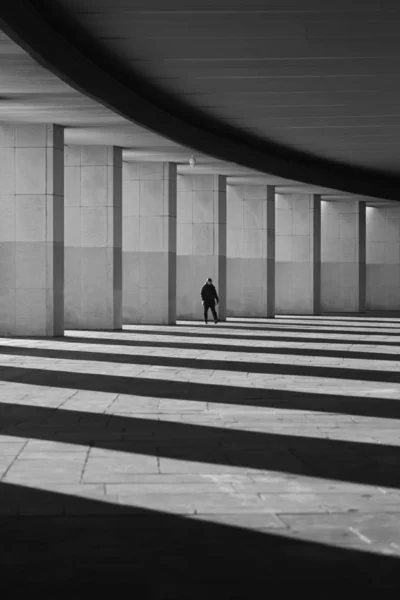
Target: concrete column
[
  {"x": 383, "y": 258},
  {"x": 93, "y": 232},
  {"x": 271, "y": 230},
  {"x": 149, "y": 243},
  {"x": 342, "y": 256},
  {"x": 362, "y": 256},
  {"x": 201, "y": 242},
  {"x": 251, "y": 251},
  {"x": 31, "y": 230},
  {"x": 298, "y": 254}
]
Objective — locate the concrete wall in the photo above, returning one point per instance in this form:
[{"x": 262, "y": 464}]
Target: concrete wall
[
  {"x": 201, "y": 242},
  {"x": 383, "y": 258},
  {"x": 250, "y": 251},
  {"x": 31, "y": 230},
  {"x": 297, "y": 254},
  {"x": 149, "y": 243},
  {"x": 340, "y": 268},
  {"x": 93, "y": 232}
]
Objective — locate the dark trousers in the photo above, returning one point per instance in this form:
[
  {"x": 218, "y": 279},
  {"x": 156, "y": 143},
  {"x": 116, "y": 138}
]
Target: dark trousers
[{"x": 210, "y": 305}]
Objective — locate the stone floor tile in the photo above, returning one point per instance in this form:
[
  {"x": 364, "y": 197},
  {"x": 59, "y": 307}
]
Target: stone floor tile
[
  {"x": 139, "y": 488},
  {"x": 182, "y": 504},
  {"x": 106, "y": 470},
  {"x": 5, "y": 462},
  {"x": 10, "y": 448},
  {"x": 250, "y": 520},
  {"x": 52, "y": 448},
  {"x": 170, "y": 465},
  {"x": 26, "y": 472}
]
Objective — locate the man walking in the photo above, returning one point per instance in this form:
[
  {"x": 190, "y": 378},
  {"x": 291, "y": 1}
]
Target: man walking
[{"x": 209, "y": 297}]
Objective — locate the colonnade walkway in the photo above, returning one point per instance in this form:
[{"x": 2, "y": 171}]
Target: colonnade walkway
[{"x": 197, "y": 460}]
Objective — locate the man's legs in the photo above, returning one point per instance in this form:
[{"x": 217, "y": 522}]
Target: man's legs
[
  {"x": 206, "y": 307},
  {"x": 214, "y": 313}
]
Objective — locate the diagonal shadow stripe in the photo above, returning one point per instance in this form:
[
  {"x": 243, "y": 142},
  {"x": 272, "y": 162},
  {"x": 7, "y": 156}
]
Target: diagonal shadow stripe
[
  {"x": 384, "y": 408},
  {"x": 261, "y": 338},
  {"x": 86, "y": 542},
  {"x": 311, "y": 352},
  {"x": 357, "y": 462},
  {"x": 371, "y": 327},
  {"x": 263, "y": 368},
  {"x": 388, "y": 316},
  {"x": 314, "y": 322},
  {"x": 302, "y": 329},
  {"x": 367, "y": 323}
]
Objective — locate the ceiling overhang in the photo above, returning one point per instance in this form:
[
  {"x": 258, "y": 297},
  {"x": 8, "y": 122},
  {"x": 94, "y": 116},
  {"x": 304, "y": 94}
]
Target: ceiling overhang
[{"x": 52, "y": 49}]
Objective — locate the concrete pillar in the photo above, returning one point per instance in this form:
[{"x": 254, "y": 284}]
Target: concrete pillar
[
  {"x": 362, "y": 256},
  {"x": 31, "y": 230},
  {"x": 149, "y": 243},
  {"x": 93, "y": 231},
  {"x": 383, "y": 258},
  {"x": 298, "y": 254},
  {"x": 251, "y": 251},
  {"x": 343, "y": 249},
  {"x": 201, "y": 242}
]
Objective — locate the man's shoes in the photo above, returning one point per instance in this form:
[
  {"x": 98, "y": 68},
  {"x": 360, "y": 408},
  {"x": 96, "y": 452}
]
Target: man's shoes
[
  {"x": 216, "y": 321},
  {"x": 206, "y": 322}
]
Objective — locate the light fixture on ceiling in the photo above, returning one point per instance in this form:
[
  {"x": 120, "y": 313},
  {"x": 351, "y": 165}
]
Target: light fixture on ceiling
[{"x": 192, "y": 162}]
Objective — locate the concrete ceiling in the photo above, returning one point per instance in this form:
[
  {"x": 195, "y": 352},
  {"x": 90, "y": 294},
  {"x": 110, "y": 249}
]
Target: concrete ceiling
[
  {"x": 31, "y": 93},
  {"x": 282, "y": 73},
  {"x": 319, "y": 77}
]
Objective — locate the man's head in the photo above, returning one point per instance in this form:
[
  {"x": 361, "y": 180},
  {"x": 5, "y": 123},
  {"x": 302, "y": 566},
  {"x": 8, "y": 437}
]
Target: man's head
[{"x": 209, "y": 281}]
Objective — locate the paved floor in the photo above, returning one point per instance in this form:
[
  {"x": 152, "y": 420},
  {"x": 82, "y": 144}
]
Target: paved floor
[{"x": 195, "y": 460}]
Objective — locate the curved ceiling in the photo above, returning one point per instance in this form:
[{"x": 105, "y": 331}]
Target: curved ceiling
[{"x": 311, "y": 92}]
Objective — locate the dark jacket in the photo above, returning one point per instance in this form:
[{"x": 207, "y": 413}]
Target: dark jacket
[{"x": 209, "y": 293}]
